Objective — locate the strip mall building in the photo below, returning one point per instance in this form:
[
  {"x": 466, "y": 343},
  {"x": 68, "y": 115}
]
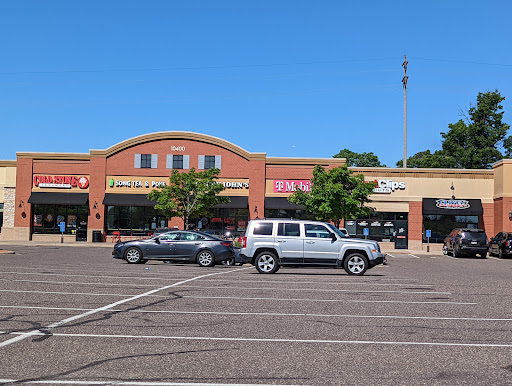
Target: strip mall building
[{"x": 96, "y": 194}]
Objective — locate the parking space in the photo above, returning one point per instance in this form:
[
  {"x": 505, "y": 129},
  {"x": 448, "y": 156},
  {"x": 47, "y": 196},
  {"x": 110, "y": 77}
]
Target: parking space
[{"x": 71, "y": 314}]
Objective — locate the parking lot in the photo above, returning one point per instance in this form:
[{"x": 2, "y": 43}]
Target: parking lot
[{"x": 74, "y": 315}]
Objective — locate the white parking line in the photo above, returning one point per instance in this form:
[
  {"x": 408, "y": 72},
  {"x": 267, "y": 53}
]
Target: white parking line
[
  {"x": 270, "y": 340},
  {"x": 389, "y": 254},
  {"x": 150, "y": 293},
  {"x": 109, "y": 306},
  {"x": 116, "y": 382},
  {"x": 187, "y": 312},
  {"x": 410, "y": 254},
  {"x": 494, "y": 258}
]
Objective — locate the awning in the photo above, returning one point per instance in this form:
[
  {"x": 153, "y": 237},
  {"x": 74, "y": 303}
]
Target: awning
[
  {"x": 281, "y": 203},
  {"x": 119, "y": 199},
  {"x": 57, "y": 198},
  {"x": 236, "y": 202},
  {"x": 452, "y": 207}
]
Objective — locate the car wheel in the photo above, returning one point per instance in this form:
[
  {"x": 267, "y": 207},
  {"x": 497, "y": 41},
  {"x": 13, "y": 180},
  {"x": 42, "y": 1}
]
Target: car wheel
[
  {"x": 355, "y": 264},
  {"x": 133, "y": 255},
  {"x": 455, "y": 253},
  {"x": 205, "y": 258},
  {"x": 500, "y": 253},
  {"x": 266, "y": 262},
  {"x": 445, "y": 250}
]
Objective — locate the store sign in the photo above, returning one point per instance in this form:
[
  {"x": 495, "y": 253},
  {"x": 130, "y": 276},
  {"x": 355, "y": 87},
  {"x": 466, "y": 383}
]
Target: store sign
[
  {"x": 453, "y": 204},
  {"x": 61, "y": 182},
  {"x": 362, "y": 223},
  {"x": 135, "y": 184},
  {"x": 177, "y": 148},
  {"x": 235, "y": 184},
  {"x": 388, "y": 186},
  {"x": 290, "y": 186}
]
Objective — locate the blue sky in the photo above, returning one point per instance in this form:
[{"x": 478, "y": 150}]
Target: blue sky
[{"x": 289, "y": 78}]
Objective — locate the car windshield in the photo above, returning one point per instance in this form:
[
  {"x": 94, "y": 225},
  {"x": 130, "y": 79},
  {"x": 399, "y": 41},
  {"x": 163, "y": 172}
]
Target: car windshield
[
  {"x": 468, "y": 235},
  {"x": 337, "y": 231}
]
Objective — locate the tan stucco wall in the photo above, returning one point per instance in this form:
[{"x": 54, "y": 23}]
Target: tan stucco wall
[{"x": 7, "y": 177}]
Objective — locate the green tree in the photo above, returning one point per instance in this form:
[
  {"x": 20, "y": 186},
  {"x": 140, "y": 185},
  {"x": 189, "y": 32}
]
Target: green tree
[
  {"x": 335, "y": 194},
  {"x": 359, "y": 159},
  {"x": 190, "y": 194},
  {"x": 426, "y": 159},
  {"x": 474, "y": 143}
]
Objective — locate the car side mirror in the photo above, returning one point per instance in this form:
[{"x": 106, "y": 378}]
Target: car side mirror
[
  {"x": 157, "y": 240},
  {"x": 333, "y": 236}
]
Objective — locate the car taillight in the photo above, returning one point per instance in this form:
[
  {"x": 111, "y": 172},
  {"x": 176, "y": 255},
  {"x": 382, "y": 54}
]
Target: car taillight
[
  {"x": 508, "y": 243},
  {"x": 244, "y": 242},
  {"x": 226, "y": 243}
]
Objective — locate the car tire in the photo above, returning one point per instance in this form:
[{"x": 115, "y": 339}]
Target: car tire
[
  {"x": 500, "y": 254},
  {"x": 455, "y": 253},
  {"x": 133, "y": 255},
  {"x": 266, "y": 262},
  {"x": 205, "y": 258},
  {"x": 355, "y": 264}
]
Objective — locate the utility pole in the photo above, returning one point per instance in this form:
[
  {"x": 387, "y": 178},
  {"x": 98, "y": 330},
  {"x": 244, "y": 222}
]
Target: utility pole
[{"x": 404, "y": 81}]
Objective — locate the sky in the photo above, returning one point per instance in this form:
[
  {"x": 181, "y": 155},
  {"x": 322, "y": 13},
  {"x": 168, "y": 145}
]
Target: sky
[{"x": 297, "y": 78}]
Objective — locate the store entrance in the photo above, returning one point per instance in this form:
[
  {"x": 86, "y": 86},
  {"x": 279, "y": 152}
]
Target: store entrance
[{"x": 81, "y": 227}]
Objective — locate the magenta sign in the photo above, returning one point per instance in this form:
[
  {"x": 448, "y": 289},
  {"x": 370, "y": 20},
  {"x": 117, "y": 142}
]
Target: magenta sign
[{"x": 290, "y": 186}]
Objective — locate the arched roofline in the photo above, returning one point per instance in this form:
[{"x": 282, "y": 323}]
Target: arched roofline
[{"x": 164, "y": 135}]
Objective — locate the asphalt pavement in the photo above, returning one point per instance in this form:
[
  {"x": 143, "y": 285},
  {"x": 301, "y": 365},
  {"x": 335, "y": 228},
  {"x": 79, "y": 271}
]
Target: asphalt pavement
[{"x": 74, "y": 315}]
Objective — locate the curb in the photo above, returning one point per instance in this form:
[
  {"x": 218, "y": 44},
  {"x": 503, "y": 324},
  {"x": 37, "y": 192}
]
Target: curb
[{"x": 4, "y": 252}]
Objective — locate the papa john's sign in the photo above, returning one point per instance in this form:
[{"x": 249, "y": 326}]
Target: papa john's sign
[{"x": 61, "y": 182}]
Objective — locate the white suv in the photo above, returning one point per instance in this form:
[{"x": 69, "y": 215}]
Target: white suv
[{"x": 271, "y": 243}]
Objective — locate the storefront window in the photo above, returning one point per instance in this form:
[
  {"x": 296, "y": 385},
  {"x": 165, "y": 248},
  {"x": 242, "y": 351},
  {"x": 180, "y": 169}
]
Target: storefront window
[
  {"x": 48, "y": 217},
  {"x": 288, "y": 213},
  {"x": 221, "y": 221},
  {"x": 442, "y": 225},
  {"x": 134, "y": 220},
  {"x": 381, "y": 226}
]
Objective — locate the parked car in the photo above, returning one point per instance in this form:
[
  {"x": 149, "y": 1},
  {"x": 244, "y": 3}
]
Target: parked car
[
  {"x": 501, "y": 244},
  {"x": 464, "y": 241},
  {"x": 206, "y": 250},
  {"x": 271, "y": 243}
]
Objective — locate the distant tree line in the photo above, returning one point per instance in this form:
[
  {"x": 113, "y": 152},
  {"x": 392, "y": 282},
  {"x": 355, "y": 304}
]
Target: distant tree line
[{"x": 474, "y": 142}]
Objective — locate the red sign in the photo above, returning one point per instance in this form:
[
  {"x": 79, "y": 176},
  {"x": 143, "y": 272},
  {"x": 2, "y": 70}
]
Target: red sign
[
  {"x": 290, "y": 186},
  {"x": 81, "y": 182}
]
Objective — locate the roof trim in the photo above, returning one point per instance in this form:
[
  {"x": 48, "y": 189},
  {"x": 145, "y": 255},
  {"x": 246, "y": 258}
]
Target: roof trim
[
  {"x": 305, "y": 161},
  {"x": 8, "y": 163},
  {"x": 56, "y": 156},
  {"x": 163, "y": 135}
]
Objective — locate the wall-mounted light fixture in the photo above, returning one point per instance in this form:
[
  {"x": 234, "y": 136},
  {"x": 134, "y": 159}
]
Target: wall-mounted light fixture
[
  {"x": 255, "y": 208},
  {"x": 453, "y": 192},
  {"x": 95, "y": 205},
  {"x": 510, "y": 214},
  {"x": 21, "y": 204}
]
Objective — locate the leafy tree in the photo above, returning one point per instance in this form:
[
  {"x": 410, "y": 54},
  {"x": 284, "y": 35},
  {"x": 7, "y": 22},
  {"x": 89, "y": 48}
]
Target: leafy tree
[
  {"x": 335, "y": 194},
  {"x": 190, "y": 194},
  {"x": 359, "y": 159},
  {"x": 474, "y": 143},
  {"x": 426, "y": 159}
]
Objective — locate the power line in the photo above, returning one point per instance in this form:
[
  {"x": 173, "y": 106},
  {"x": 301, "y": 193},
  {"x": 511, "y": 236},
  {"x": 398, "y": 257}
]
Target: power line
[{"x": 196, "y": 68}]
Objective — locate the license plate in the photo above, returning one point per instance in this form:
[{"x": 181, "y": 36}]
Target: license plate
[{"x": 474, "y": 243}]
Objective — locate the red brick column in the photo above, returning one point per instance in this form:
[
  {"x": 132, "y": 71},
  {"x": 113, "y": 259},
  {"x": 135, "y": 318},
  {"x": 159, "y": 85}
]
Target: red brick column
[
  {"x": 23, "y": 214},
  {"x": 257, "y": 189},
  {"x": 415, "y": 224},
  {"x": 487, "y": 220},
  {"x": 97, "y": 185},
  {"x": 502, "y": 222}
]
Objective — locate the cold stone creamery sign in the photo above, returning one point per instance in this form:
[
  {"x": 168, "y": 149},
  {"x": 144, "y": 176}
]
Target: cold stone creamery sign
[{"x": 61, "y": 182}]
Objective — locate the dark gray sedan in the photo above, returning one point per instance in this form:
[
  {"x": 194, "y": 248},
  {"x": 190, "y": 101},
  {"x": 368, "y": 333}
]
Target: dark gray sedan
[{"x": 192, "y": 246}]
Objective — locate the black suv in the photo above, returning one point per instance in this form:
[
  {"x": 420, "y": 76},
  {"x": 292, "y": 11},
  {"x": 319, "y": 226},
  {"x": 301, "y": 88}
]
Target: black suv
[
  {"x": 501, "y": 244},
  {"x": 463, "y": 241}
]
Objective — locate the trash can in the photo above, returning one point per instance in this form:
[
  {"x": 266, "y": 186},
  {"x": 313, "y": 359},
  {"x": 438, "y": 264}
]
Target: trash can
[{"x": 96, "y": 236}]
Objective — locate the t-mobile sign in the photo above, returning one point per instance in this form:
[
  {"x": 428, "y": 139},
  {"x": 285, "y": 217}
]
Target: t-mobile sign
[{"x": 290, "y": 186}]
